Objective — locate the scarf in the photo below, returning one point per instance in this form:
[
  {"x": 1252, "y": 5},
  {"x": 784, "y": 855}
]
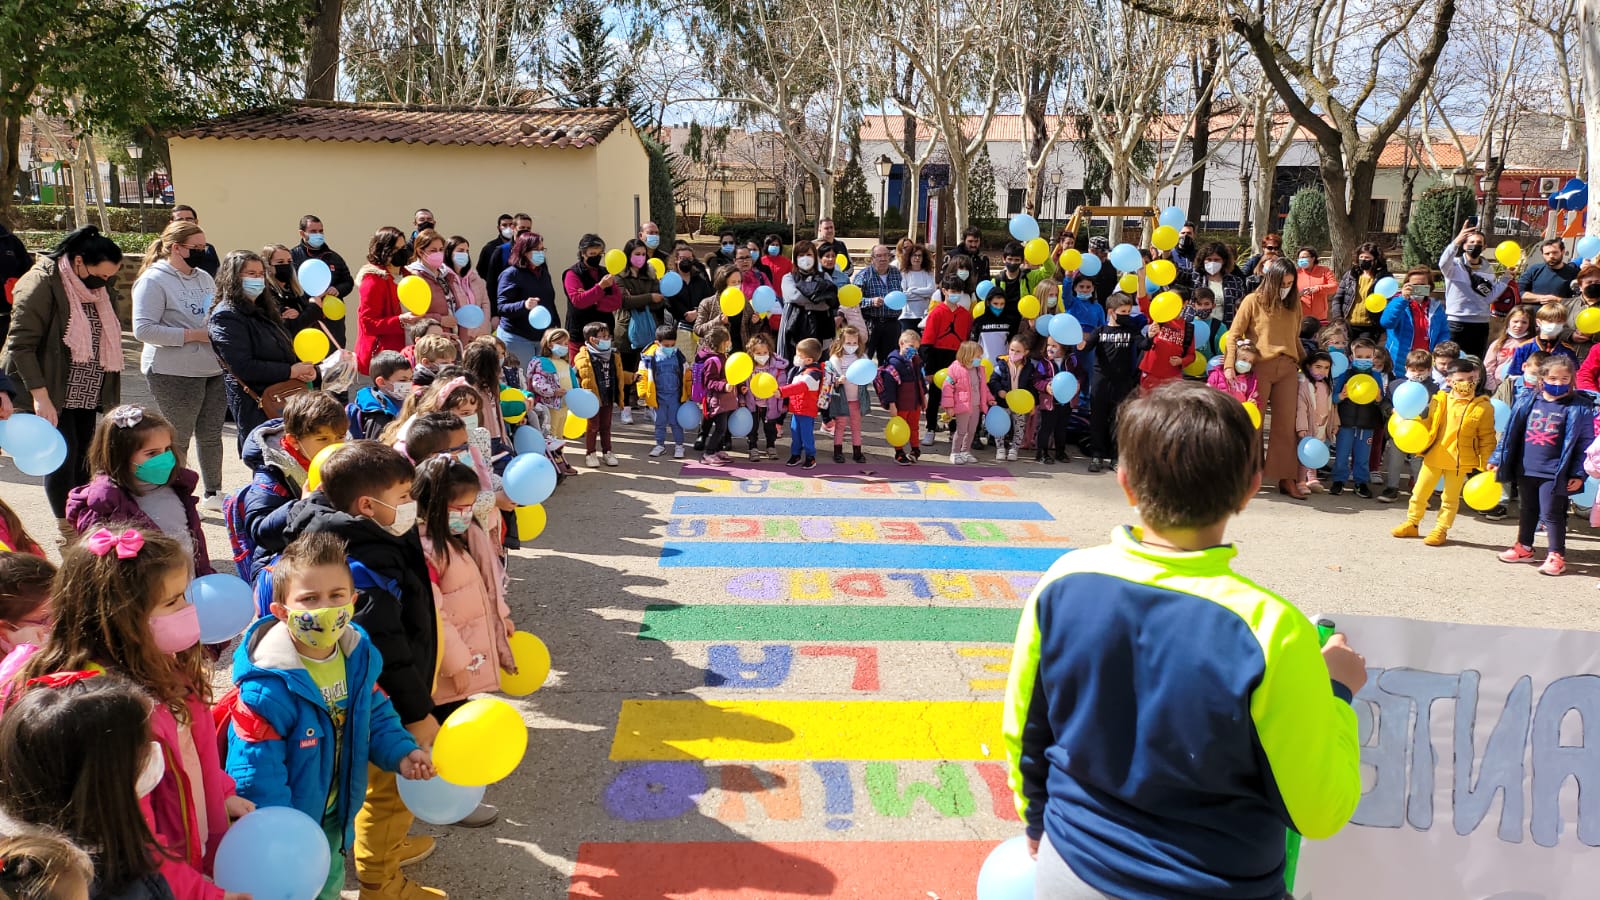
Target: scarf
[{"x": 79, "y": 336}]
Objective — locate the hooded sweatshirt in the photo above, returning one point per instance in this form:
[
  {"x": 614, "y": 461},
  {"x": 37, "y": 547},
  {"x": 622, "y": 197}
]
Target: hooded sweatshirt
[{"x": 165, "y": 305}]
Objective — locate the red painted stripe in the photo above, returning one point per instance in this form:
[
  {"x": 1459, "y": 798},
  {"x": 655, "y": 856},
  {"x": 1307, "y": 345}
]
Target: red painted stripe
[{"x": 736, "y": 870}]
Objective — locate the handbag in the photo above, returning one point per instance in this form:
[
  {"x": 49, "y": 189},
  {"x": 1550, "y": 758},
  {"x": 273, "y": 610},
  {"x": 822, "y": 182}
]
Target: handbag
[{"x": 274, "y": 398}]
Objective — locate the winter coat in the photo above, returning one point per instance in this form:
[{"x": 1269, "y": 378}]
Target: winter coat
[
  {"x": 1243, "y": 388},
  {"x": 1315, "y": 413},
  {"x": 1461, "y": 436},
  {"x": 1580, "y": 427},
  {"x": 587, "y": 301},
  {"x": 1233, "y": 289},
  {"x": 647, "y": 381},
  {"x": 379, "y": 316},
  {"x": 471, "y": 290},
  {"x": 620, "y": 377},
  {"x": 1349, "y": 301},
  {"x": 373, "y": 411},
  {"x": 771, "y": 408},
  {"x": 258, "y": 351},
  {"x": 965, "y": 386},
  {"x": 719, "y": 394},
  {"x": 441, "y": 302},
  {"x": 638, "y": 292},
  {"x": 35, "y": 353},
  {"x": 946, "y": 328},
  {"x": 512, "y": 292},
  {"x": 103, "y": 503},
  {"x": 1399, "y": 325},
  {"x": 474, "y": 621},
  {"x": 802, "y": 396},
  {"x": 902, "y": 371},
  {"x": 264, "y": 503}
]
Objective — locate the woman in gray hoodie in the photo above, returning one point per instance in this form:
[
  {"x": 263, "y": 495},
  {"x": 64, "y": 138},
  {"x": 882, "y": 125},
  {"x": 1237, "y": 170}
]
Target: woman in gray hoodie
[{"x": 171, "y": 302}]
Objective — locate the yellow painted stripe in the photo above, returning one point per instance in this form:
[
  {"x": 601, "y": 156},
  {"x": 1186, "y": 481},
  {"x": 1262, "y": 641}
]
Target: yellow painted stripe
[{"x": 807, "y": 729}]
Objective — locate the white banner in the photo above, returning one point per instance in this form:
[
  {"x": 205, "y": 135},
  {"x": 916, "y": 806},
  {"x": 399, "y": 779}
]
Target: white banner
[{"x": 1481, "y": 763}]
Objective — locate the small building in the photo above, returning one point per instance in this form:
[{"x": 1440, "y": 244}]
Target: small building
[{"x": 360, "y": 166}]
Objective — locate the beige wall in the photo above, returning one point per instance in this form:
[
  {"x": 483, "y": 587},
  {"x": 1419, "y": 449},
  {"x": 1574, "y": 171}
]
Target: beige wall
[{"x": 250, "y": 193}]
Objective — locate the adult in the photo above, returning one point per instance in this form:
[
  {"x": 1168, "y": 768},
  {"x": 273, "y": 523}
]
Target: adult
[
  {"x": 1105, "y": 280},
  {"x": 1270, "y": 319},
  {"x": 252, "y": 339},
  {"x": 1470, "y": 289},
  {"x": 1350, "y": 301},
  {"x": 710, "y": 314},
  {"x": 1586, "y": 292},
  {"x": 961, "y": 266},
  {"x": 1187, "y": 248},
  {"x": 1315, "y": 283},
  {"x": 428, "y": 263},
  {"x": 65, "y": 301},
  {"x": 171, "y": 301},
  {"x": 1414, "y": 319},
  {"x": 650, "y": 236},
  {"x": 683, "y": 307},
  {"x": 208, "y": 261},
  {"x": 643, "y": 308},
  {"x": 14, "y": 261},
  {"x": 593, "y": 294},
  {"x": 283, "y": 285},
  {"x": 314, "y": 245},
  {"x": 421, "y": 220},
  {"x": 727, "y": 243},
  {"x": 918, "y": 282},
  {"x": 828, "y": 244},
  {"x": 467, "y": 287},
  {"x": 491, "y": 259},
  {"x": 1214, "y": 269},
  {"x": 971, "y": 247},
  {"x": 810, "y": 298},
  {"x": 1550, "y": 280},
  {"x": 772, "y": 262},
  {"x": 1271, "y": 245},
  {"x": 876, "y": 281},
  {"x": 524, "y": 286},
  {"x": 383, "y": 320},
  {"x": 522, "y": 224}
]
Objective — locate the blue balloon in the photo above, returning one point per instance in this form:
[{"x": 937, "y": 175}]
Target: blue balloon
[
  {"x": 1126, "y": 258},
  {"x": 1341, "y": 363},
  {"x": 528, "y": 439},
  {"x": 1009, "y": 872},
  {"x": 1313, "y": 453},
  {"x": 671, "y": 284},
  {"x": 997, "y": 421},
  {"x": 26, "y": 434},
  {"x": 1064, "y": 386},
  {"x": 763, "y": 305},
  {"x": 1214, "y": 362},
  {"x": 273, "y": 853},
  {"x": 1024, "y": 227},
  {"x": 438, "y": 802},
  {"x": 1202, "y": 332},
  {"x": 765, "y": 292},
  {"x": 861, "y": 372},
  {"x": 1387, "y": 286},
  {"x": 1090, "y": 265},
  {"x": 1042, "y": 323},
  {"x": 539, "y": 317},
  {"x": 689, "y": 416},
  {"x": 1411, "y": 399},
  {"x": 1064, "y": 327},
  {"x": 37, "y": 459},
  {"x": 529, "y": 479},
  {"x": 741, "y": 422},
  {"x": 984, "y": 287},
  {"x": 1586, "y": 497},
  {"x": 583, "y": 403},
  {"x": 469, "y": 316},
  {"x": 225, "y": 605},
  {"x": 895, "y": 300},
  {"x": 1502, "y": 412},
  {"x": 1172, "y": 217},
  {"x": 1588, "y": 247},
  {"x": 315, "y": 277}
]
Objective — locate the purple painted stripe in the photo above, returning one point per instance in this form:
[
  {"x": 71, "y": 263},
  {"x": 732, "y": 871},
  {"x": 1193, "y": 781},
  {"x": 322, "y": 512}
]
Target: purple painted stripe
[{"x": 884, "y": 470}]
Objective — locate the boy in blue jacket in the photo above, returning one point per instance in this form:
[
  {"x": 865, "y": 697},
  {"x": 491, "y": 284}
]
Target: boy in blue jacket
[
  {"x": 379, "y": 403},
  {"x": 309, "y": 716},
  {"x": 279, "y": 452}
]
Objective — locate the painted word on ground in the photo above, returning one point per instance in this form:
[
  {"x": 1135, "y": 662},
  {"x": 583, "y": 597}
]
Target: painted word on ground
[{"x": 814, "y": 584}]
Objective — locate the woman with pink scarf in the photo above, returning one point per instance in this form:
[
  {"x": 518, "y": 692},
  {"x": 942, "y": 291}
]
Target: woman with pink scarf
[{"x": 65, "y": 348}]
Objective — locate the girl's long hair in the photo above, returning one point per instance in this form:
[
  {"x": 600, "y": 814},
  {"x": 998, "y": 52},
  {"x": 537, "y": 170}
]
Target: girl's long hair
[{"x": 440, "y": 479}]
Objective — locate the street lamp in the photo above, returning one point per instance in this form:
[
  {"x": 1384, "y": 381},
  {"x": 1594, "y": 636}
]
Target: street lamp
[
  {"x": 1522, "y": 210},
  {"x": 1055, "y": 199},
  {"x": 885, "y": 165},
  {"x": 136, "y": 153}
]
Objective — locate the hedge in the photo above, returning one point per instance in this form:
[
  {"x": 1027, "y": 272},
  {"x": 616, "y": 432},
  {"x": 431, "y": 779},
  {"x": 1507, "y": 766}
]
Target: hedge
[
  {"x": 128, "y": 241},
  {"x": 38, "y": 217}
]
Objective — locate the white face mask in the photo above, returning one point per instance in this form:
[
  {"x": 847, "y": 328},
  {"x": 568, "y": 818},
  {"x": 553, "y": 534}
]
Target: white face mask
[
  {"x": 405, "y": 517},
  {"x": 400, "y": 390},
  {"x": 806, "y": 262},
  {"x": 1241, "y": 366},
  {"x": 471, "y": 421},
  {"x": 1550, "y": 330},
  {"x": 761, "y": 358},
  {"x": 1213, "y": 267},
  {"x": 851, "y": 348},
  {"x": 1288, "y": 290},
  {"x": 1520, "y": 329},
  {"x": 154, "y": 769}
]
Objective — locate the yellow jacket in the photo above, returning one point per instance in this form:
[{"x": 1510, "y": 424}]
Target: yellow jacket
[
  {"x": 645, "y": 381},
  {"x": 1461, "y": 434}
]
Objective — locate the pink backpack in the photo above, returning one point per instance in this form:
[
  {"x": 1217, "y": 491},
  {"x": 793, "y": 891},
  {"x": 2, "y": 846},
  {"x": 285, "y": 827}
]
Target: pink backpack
[{"x": 1591, "y": 460}]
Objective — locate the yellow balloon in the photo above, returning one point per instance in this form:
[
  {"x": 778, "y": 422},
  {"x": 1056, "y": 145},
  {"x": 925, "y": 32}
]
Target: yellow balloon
[
  {"x": 1166, "y": 307},
  {"x": 1509, "y": 253},
  {"x": 897, "y": 432},
  {"x": 978, "y": 309},
  {"x": 1481, "y": 492},
  {"x": 658, "y": 267},
  {"x": 533, "y": 663},
  {"x": 1164, "y": 238},
  {"x": 615, "y": 261},
  {"x": 988, "y": 369},
  {"x": 1029, "y": 305},
  {"x": 1222, "y": 344},
  {"x": 481, "y": 743},
  {"x": 842, "y": 261},
  {"x": 1377, "y": 303},
  {"x": 850, "y": 295},
  {"x": 1161, "y": 271},
  {"x": 1019, "y": 402},
  {"x": 332, "y": 308},
  {"x": 1128, "y": 284},
  {"x": 1395, "y": 421},
  {"x": 763, "y": 385},
  {"x": 530, "y": 522},
  {"x": 314, "y": 471},
  {"x": 1197, "y": 367},
  {"x": 311, "y": 345},
  {"x": 732, "y": 302},
  {"x": 739, "y": 367},
  {"x": 939, "y": 377},
  {"x": 513, "y": 405},
  {"x": 1411, "y": 436},
  {"x": 1071, "y": 260},
  {"x": 1362, "y": 389},
  {"x": 1588, "y": 320},
  {"x": 415, "y": 295},
  {"x": 573, "y": 427},
  {"x": 1254, "y": 412},
  {"x": 1036, "y": 251}
]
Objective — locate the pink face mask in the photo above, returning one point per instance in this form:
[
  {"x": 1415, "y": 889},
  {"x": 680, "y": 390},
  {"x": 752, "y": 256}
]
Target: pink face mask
[
  {"x": 434, "y": 260},
  {"x": 178, "y": 631},
  {"x": 638, "y": 260}
]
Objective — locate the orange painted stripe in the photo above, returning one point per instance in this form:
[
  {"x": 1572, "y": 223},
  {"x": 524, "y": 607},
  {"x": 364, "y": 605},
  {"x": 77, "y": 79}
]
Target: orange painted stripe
[{"x": 737, "y": 870}]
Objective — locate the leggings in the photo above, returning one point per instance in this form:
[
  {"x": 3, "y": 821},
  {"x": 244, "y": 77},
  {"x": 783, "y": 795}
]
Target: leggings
[
  {"x": 1012, "y": 439},
  {"x": 77, "y": 427},
  {"x": 599, "y": 428},
  {"x": 1052, "y": 432},
  {"x": 1543, "y": 500},
  {"x": 719, "y": 432},
  {"x": 966, "y": 426},
  {"x": 769, "y": 427},
  {"x": 1105, "y": 396},
  {"x": 935, "y": 359},
  {"x": 854, "y": 423},
  {"x": 195, "y": 407}
]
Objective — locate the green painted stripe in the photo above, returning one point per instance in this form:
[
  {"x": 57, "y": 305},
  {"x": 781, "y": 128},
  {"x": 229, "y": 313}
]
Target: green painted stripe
[{"x": 756, "y": 622}]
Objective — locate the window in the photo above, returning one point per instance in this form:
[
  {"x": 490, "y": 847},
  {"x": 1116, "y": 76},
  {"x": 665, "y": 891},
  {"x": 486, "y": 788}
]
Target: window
[
  {"x": 1378, "y": 215},
  {"x": 1014, "y": 201},
  {"x": 728, "y": 203},
  {"x": 766, "y": 204}
]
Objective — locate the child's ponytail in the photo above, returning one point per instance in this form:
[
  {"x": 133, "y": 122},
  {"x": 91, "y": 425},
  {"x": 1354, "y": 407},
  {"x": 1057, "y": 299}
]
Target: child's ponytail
[{"x": 439, "y": 479}]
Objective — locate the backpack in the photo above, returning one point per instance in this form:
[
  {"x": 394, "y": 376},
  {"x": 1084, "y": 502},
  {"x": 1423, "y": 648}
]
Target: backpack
[
  {"x": 239, "y": 539},
  {"x": 1591, "y": 459},
  {"x": 697, "y": 375}
]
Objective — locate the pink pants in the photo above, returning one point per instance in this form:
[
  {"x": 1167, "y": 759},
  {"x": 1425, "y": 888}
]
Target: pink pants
[
  {"x": 966, "y": 426},
  {"x": 855, "y": 426}
]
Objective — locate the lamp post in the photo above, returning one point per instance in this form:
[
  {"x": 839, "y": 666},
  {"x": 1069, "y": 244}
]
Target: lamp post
[
  {"x": 136, "y": 153},
  {"x": 885, "y": 165},
  {"x": 1055, "y": 200},
  {"x": 1522, "y": 210}
]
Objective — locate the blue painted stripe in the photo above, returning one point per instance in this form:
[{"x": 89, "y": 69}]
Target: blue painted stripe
[
  {"x": 801, "y": 555},
  {"x": 858, "y": 507}
]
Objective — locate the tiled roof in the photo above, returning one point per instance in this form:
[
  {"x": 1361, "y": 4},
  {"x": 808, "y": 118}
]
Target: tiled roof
[
  {"x": 394, "y": 123},
  {"x": 1446, "y": 153}
]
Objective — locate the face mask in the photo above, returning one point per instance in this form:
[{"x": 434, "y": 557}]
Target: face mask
[
  {"x": 1530, "y": 378},
  {"x": 253, "y": 286},
  {"x": 1557, "y": 390},
  {"x": 508, "y": 232},
  {"x": 997, "y": 305},
  {"x": 151, "y": 773},
  {"x": 94, "y": 282},
  {"x": 1241, "y": 367},
  {"x": 638, "y": 260},
  {"x": 1462, "y": 388},
  {"x": 426, "y": 224},
  {"x": 1013, "y": 266},
  {"x": 283, "y": 272},
  {"x": 1204, "y": 314},
  {"x": 400, "y": 390},
  {"x": 806, "y": 262},
  {"x": 1287, "y": 291},
  {"x": 177, "y": 632},
  {"x": 1550, "y": 330},
  {"x": 156, "y": 470},
  {"x": 963, "y": 274},
  {"x": 666, "y": 351},
  {"x": 320, "y": 629},
  {"x": 602, "y": 345},
  {"x": 1085, "y": 297},
  {"x": 1317, "y": 376},
  {"x": 761, "y": 358},
  {"x": 652, "y": 240},
  {"x": 1416, "y": 376},
  {"x": 851, "y": 348},
  {"x": 1592, "y": 291},
  {"x": 727, "y": 249},
  {"x": 774, "y": 249},
  {"x": 1186, "y": 245},
  {"x": 1474, "y": 250},
  {"x": 461, "y": 259},
  {"x": 1213, "y": 267},
  {"x": 908, "y": 352},
  {"x": 471, "y": 421},
  {"x": 558, "y": 351},
  {"x": 1016, "y": 356},
  {"x": 1364, "y": 265},
  {"x": 1518, "y": 330},
  {"x": 316, "y": 240},
  {"x": 405, "y": 517},
  {"x": 536, "y": 257},
  {"x": 1361, "y": 364},
  {"x": 400, "y": 256},
  {"x": 434, "y": 260},
  {"x": 1303, "y": 263},
  {"x": 460, "y": 522},
  {"x": 593, "y": 261}
]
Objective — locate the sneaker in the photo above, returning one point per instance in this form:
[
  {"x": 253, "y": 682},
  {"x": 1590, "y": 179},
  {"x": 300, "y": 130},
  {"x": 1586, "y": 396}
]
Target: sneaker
[
  {"x": 611, "y": 460},
  {"x": 712, "y": 459},
  {"x": 627, "y": 416},
  {"x": 1496, "y": 514},
  {"x": 933, "y": 437},
  {"x": 677, "y": 452},
  {"x": 838, "y": 454},
  {"x": 1337, "y": 488},
  {"x": 400, "y": 888},
  {"x": 417, "y": 847},
  {"x": 1516, "y": 553},
  {"x": 1049, "y": 460},
  {"x": 999, "y": 454},
  {"x": 1405, "y": 530},
  {"x": 480, "y": 817},
  {"x": 916, "y": 453},
  {"x": 658, "y": 449},
  {"x": 1389, "y": 495},
  {"x": 1314, "y": 486},
  {"x": 1554, "y": 564},
  {"x": 901, "y": 458},
  {"x": 755, "y": 454},
  {"x": 1364, "y": 491},
  {"x": 1436, "y": 537},
  {"x": 592, "y": 460},
  {"x": 1011, "y": 455},
  {"x": 213, "y": 502},
  {"x": 1062, "y": 458},
  {"x": 700, "y": 443},
  {"x": 810, "y": 463},
  {"x": 793, "y": 461},
  {"x": 958, "y": 459},
  {"x": 857, "y": 456},
  {"x": 1094, "y": 465}
]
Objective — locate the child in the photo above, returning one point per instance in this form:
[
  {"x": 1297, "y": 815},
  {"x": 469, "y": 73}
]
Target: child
[
  {"x": 1316, "y": 415},
  {"x": 1171, "y": 347},
  {"x": 1202, "y": 308},
  {"x": 1096, "y": 744},
  {"x": 379, "y": 403},
  {"x": 280, "y": 452},
  {"x": 802, "y": 392},
  {"x": 481, "y": 359},
  {"x": 365, "y": 499},
  {"x": 1117, "y": 346},
  {"x": 1543, "y": 446},
  {"x": 903, "y": 392},
  {"x": 949, "y": 323},
  {"x": 13, "y": 535},
  {"x": 767, "y": 413},
  {"x": 130, "y": 616},
  {"x": 434, "y": 352},
  {"x": 76, "y": 762},
  {"x": 1419, "y": 370},
  {"x": 41, "y": 865},
  {"x": 550, "y": 376},
  {"x": 1358, "y": 422},
  {"x": 1243, "y": 386},
  {"x": 1460, "y": 440},
  {"x": 844, "y": 396},
  {"x": 24, "y": 603},
  {"x": 996, "y": 321},
  {"x": 1552, "y": 320},
  {"x": 1444, "y": 356},
  {"x": 307, "y": 671},
  {"x": 1014, "y": 372},
  {"x": 436, "y": 433},
  {"x": 1334, "y": 338},
  {"x": 600, "y": 371},
  {"x": 1051, "y": 446},
  {"x": 664, "y": 386},
  {"x": 717, "y": 395},
  {"x": 138, "y": 480},
  {"x": 1520, "y": 329},
  {"x": 1513, "y": 387},
  {"x": 967, "y": 398}
]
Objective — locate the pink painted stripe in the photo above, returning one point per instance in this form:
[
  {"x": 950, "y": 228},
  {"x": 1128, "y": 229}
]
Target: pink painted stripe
[{"x": 872, "y": 470}]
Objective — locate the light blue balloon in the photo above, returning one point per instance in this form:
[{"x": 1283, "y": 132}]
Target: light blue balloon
[
  {"x": 1313, "y": 453},
  {"x": 529, "y": 479},
  {"x": 35, "y": 445},
  {"x": 1064, "y": 327},
  {"x": 1411, "y": 399},
  {"x": 1090, "y": 265},
  {"x": 984, "y": 288},
  {"x": 1009, "y": 872},
  {"x": 671, "y": 284},
  {"x": 273, "y": 853},
  {"x": 1341, "y": 363},
  {"x": 225, "y": 605},
  {"x": 1172, "y": 217},
  {"x": 315, "y": 277},
  {"x": 861, "y": 372},
  {"x": 1064, "y": 386},
  {"x": 895, "y": 300},
  {"x": 1126, "y": 258},
  {"x": 1042, "y": 323},
  {"x": 761, "y": 305},
  {"x": 1024, "y": 227},
  {"x": 997, "y": 421},
  {"x": 1202, "y": 333},
  {"x": 469, "y": 316},
  {"x": 528, "y": 439},
  {"x": 438, "y": 802},
  {"x": 539, "y": 317},
  {"x": 1502, "y": 412},
  {"x": 689, "y": 416},
  {"x": 765, "y": 293},
  {"x": 1388, "y": 286},
  {"x": 1214, "y": 362},
  {"x": 1586, "y": 497},
  {"x": 583, "y": 403},
  {"x": 741, "y": 422},
  {"x": 1588, "y": 247}
]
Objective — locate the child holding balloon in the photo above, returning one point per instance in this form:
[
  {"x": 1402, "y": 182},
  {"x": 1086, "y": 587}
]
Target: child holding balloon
[
  {"x": 843, "y": 396},
  {"x": 664, "y": 387},
  {"x": 1316, "y": 415},
  {"x": 1242, "y": 386},
  {"x": 279, "y": 454},
  {"x": 550, "y": 376},
  {"x": 769, "y": 411},
  {"x": 1014, "y": 374},
  {"x": 1352, "y": 456},
  {"x": 904, "y": 392},
  {"x": 966, "y": 396},
  {"x": 718, "y": 397},
  {"x": 1461, "y": 439},
  {"x": 1544, "y": 447}
]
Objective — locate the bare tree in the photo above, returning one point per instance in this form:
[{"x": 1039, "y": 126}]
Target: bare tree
[{"x": 449, "y": 53}]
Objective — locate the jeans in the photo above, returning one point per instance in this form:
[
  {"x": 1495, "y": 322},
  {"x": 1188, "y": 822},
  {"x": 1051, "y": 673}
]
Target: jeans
[
  {"x": 196, "y": 407},
  {"x": 77, "y": 428},
  {"x": 1356, "y": 442},
  {"x": 523, "y": 349},
  {"x": 883, "y": 338},
  {"x": 803, "y": 435},
  {"x": 667, "y": 405},
  {"x": 1543, "y": 500}
]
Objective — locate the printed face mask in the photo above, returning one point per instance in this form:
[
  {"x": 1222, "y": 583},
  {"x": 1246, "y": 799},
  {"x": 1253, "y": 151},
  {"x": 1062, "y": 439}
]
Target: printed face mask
[
  {"x": 320, "y": 629},
  {"x": 399, "y": 390},
  {"x": 460, "y": 521},
  {"x": 176, "y": 632},
  {"x": 1462, "y": 388},
  {"x": 157, "y": 470}
]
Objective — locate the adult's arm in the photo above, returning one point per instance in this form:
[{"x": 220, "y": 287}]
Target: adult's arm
[
  {"x": 510, "y": 296},
  {"x": 230, "y": 338},
  {"x": 579, "y": 296},
  {"x": 1589, "y": 373},
  {"x": 149, "y": 305},
  {"x": 34, "y": 303}
]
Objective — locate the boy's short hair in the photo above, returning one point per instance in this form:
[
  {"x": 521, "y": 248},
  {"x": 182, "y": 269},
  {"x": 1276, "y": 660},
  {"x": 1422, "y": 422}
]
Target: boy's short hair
[
  {"x": 1463, "y": 366},
  {"x": 1552, "y": 312},
  {"x": 666, "y": 333},
  {"x": 1362, "y": 343},
  {"x": 361, "y": 469},
  {"x": 1419, "y": 359},
  {"x": 1204, "y": 293},
  {"x": 416, "y": 330},
  {"x": 1447, "y": 350},
  {"x": 1537, "y": 359},
  {"x": 1188, "y": 453},
  {"x": 594, "y": 330},
  {"x": 810, "y": 348},
  {"x": 309, "y": 551},
  {"x": 387, "y": 362},
  {"x": 1117, "y": 300},
  {"x": 311, "y": 411},
  {"x": 1012, "y": 248},
  {"x": 430, "y": 433},
  {"x": 432, "y": 347}
]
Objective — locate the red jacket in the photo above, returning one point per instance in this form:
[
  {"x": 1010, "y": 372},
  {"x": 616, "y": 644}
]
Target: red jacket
[
  {"x": 1589, "y": 373},
  {"x": 1167, "y": 342},
  {"x": 378, "y": 316},
  {"x": 803, "y": 399},
  {"x": 946, "y": 328}
]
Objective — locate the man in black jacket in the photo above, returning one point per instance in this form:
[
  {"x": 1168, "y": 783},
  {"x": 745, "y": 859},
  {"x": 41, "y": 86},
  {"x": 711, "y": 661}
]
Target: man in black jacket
[
  {"x": 14, "y": 260},
  {"x": 830, "y": 247},
  {"x": 727, "y": 246},
  {"x": 505, "y": 231},
  {"x": 313, "y": 245},
  {"x": 971, "y": 246}
]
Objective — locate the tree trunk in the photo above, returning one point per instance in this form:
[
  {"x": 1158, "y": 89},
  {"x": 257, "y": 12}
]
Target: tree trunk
[
  {"x": 1121, "y": 183},
  {"x": 1589, "y": 47},
  {"x": 911, "y": 195},
  {"x": 322, "y": 56},
  {"x": 94, "y": 169},
  {"x": 908, "y": 149},
  {"x": 10, "y": 167},
  {"x": 1200, "y": 143},
  {"x": 1341, "y": 227}
]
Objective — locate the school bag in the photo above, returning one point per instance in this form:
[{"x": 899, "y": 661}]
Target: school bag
[
  {"x": 239, "y": 539},
  {"x": 1591, "y": 458}
]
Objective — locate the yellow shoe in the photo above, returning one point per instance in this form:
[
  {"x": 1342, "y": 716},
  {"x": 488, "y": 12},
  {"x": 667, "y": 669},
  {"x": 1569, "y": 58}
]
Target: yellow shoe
[
  {"x": 1436, "y": 537},
  {"x": 1405, "y": 530},
  {"x": 416, "y": 848},
  {"x": 401, "y": 888}
]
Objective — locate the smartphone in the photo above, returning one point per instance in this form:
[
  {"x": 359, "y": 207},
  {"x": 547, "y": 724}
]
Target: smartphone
[{"x": 1472, "y": 221}]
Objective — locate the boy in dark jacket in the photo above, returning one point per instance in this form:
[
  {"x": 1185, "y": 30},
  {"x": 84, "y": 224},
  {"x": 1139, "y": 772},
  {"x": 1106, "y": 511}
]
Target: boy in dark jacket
[
  {"x": 1358, "y": 422},
  {"x": 379, "y": 403},
  {"x": 365, "y": 499},
  {"x": 903, "y": 391},
  {"x": 280, "y": 453},
  {"x": 1117, "y": 346}
]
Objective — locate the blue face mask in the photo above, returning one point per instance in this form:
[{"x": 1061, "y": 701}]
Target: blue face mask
[
  {"x": 773, "y": 249},
  {"x": 1303, "y": 263},
  {"x": 727, "y": 249},
  {"x": 602, "y": 345},
  {"x": 460, "y": 522},
  {"x": 316, "y": 240},
  {"x": 536, "y": 257},
  {"x": 1557, "y": 390},
  {"x": 157, "y": 470},
  {"x": 652, "y": 241},
  {"x": 460, "y": 259},
  {"x": 253, "y": 286},
  {"x": 1362, "y": 364}
]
